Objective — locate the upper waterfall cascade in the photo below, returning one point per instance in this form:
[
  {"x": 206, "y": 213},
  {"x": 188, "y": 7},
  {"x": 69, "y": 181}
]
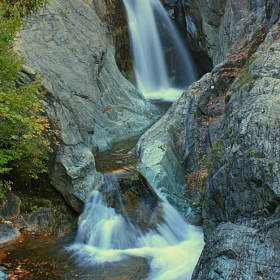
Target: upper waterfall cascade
[{"x": 162, "y": 63}]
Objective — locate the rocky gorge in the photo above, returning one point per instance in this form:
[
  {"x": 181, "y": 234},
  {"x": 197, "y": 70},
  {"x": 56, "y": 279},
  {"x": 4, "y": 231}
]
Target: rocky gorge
[{"x": 214, "y": 154}]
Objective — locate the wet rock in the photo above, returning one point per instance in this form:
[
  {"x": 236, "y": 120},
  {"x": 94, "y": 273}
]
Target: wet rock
[
  {"x": 8, "y": 235},
  {"x": 132, "y": 268},
  {"x": 132, "y": 196},
  {"x": 161, "y": 160}
]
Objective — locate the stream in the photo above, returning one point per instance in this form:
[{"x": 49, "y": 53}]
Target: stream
[{"x": 127, "y": 231}]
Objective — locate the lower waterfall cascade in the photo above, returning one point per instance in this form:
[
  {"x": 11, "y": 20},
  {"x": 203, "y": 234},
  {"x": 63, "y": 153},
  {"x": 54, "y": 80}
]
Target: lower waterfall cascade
[{"x": 109, "y": 234}]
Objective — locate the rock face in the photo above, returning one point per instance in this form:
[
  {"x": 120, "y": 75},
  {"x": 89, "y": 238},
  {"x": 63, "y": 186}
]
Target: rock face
[
  {"x": 161, "y": 160},
  {"x": 113, "y": 15},
  {"x": 223, "y": 27},
  {"x": 243, "y": 188},
  {"x": 232, "y": 139},
  {"x": 89, "y": 103},
  {"x": 240, "y": 252},
  {"x": 10, "y": 207},
  {"x": 8, "y": 235},
  {"x": 45, "y": 220}
]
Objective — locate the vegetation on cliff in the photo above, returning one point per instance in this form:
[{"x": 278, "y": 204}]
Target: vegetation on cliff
[{"x": 24, "y": 146}]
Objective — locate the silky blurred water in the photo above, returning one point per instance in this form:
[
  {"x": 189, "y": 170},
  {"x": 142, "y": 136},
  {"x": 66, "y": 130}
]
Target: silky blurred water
[
  {"x": 161, "y": 61},
  {"x": 172, "y": 247},
  {"x": 108, "y": 234}
]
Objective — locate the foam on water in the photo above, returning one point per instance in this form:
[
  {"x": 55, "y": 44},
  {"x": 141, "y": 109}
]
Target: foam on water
[
  {"x": 107, "y": 234},
  {"x": 172, "y": 248},
  {"x": 168, "y": 94}
]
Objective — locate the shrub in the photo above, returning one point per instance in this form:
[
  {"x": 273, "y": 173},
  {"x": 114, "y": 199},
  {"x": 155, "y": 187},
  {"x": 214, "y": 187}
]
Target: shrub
[{"x": 24, "y": 145}]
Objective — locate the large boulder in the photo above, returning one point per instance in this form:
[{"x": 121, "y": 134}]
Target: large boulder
[
  {"x": 129, "y": 193},
  {"x": 88, "y": 102},
  {"x": 10, "y": 207},
  {"x": 8, "y": 235}
]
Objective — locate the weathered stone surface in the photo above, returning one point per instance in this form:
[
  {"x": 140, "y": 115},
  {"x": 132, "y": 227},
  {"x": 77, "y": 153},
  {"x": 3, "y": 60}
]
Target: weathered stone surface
[
  {"x": 113, "y": 15},
  {"x": 88, "y": 101},
  {"x": 241, "y": 210},
  {"x": 41, "y": 220},
  {"x": 245, "y": 182},
  {"x": 161, "y": 160},
  {"x": 241, "y": 252},
  {"x": 7, "y": 235},
  {"x": 46, "y": 221},
  {"x": 10, "y": 207}
]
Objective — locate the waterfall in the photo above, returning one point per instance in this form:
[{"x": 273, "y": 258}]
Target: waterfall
[
  {"x": 127, "y": 218},
  {"x": 162, "y": 63}
]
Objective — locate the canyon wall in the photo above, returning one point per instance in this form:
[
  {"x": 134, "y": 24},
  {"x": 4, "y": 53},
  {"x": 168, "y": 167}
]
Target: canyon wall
[
  {"x": 89, "y": 103},
  {"x": 231, "y": 136}
]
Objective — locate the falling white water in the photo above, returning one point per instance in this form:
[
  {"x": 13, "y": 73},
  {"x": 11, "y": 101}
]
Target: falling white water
[
  {"x": 162, "y": 64},
  {"x": 107, "y": 234},
  {"x": 172, "y": 248}
]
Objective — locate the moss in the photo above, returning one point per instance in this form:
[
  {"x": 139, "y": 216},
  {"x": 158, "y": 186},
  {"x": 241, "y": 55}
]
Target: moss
[
  {"x": 243, "y": 75},
  {"x": 216, "y": 149}
]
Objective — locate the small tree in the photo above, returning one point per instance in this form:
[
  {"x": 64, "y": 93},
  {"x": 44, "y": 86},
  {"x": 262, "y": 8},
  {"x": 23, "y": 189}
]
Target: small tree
[{"x": 24, "y": 145}]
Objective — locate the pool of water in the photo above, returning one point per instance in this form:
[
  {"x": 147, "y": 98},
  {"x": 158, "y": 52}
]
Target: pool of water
[{"x": 46, "y": 258}]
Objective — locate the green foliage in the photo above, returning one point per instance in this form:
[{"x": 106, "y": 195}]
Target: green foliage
[
  {"x": 24, "y": 146},
  {"x": 216, "y": 149},
  {"x": 48, "y": 202},
  {"x": 20, "y": 8},
  {"x": 33, "y": 208},
  {"x": 243, "y": 75},
  {"x": 207, "y": 164},
  {"x": 5, "y": 185},
  {"x": 251, "y": 152}
]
